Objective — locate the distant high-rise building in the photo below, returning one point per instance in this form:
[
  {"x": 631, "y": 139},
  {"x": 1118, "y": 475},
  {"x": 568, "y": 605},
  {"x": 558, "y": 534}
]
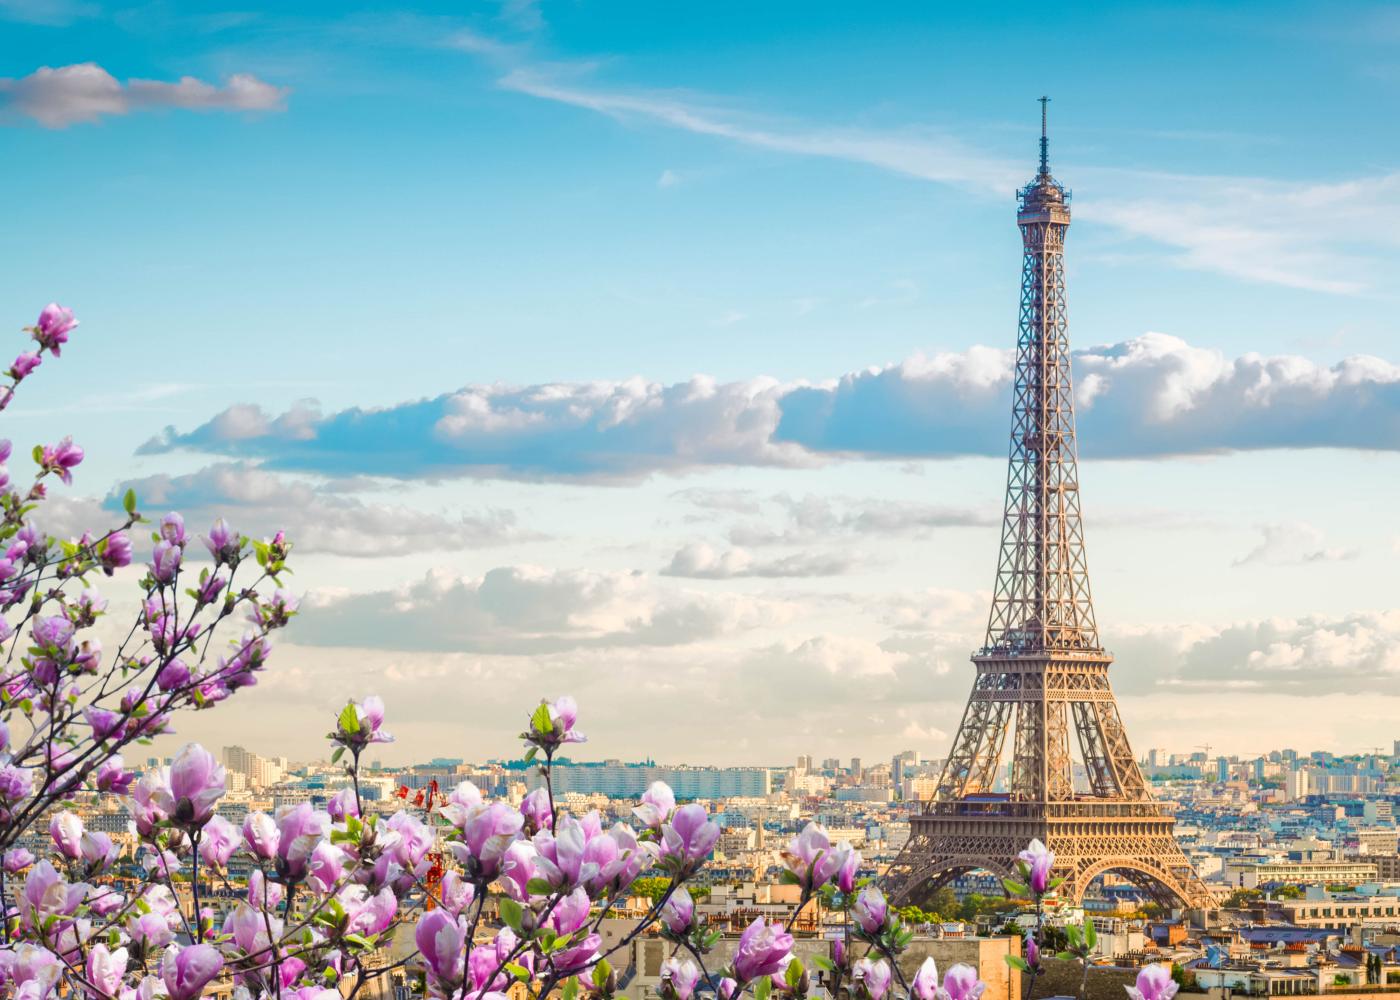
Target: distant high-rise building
[{"x": 1296, "y": 784}]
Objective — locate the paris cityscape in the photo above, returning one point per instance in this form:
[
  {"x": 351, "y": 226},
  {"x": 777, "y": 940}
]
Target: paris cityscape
[{"x": 524, "y": 500}]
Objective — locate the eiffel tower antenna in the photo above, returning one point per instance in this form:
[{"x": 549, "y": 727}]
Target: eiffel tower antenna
[
  {"x": 1044, "y": 139},
  {"x": 1041, "y": 667}
]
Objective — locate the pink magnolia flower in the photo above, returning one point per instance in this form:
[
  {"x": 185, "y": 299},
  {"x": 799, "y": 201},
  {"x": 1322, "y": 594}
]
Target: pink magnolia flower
[
  {"x": 223, "y": 543},
  {"x": 300, "y": 828},
  {"x": 870, "y": 910},
  {"x": 165, "y": 561},
  {"x": 66, "y": 830},
  {"x": 367, "y": 727},
  {"x": 113, "y": 777},
  {"x": 563, "y": 713},
  {"x": 46, "y": 894},
  {"x": 31, "y": 971},
  {"x": 104, "y": 722},
  {"x": 115, "y": 552},
  {"x": 560, "y": 858},
  {"x": 456, "y": 893},
  {"x": 962, "y": 983},
  {"x": 197, "y": 782},
  {"x": 517, "y": 869},
  {"x": 811, "y": 858},
  {"x": 1037, "y": 861},
  {"x": 17, "y": 859},
  {"x": 248, "y": 927},
  {"x": 578, "y": 956},
  {"x": 98, "y": 851},
  {"x": 261, "y": 835},
  {"x": 849, "y": 871},
  {"x": 925, "y": 984},
  {"x": 873, "y": 978},
  {"x": 678, "y": 914},
  {"x": 61, "y": 459},
  {"x": 186, "y": 971},
  {"x": 343, "y": 805},
  {"x": 762, "y": 951},
  {"x": 1154, "y": 982},
  {"x": 149, "y": 931},
  {"x": 678, "y": 979},
  {"x": 571, "y": 912},
  {"x": 689, "y": 838},
  {"x": 53, "y": 326},
  {"x": 442, "y": 941},
  {"x": 24, "y": 364},
  {"x": 536, "y": 810},
  {"x": 1032, "y": 951},
  {"x": 487, "y": 831},
  {"x": 658, "y": 802},
  {"x": 106, "y": 969},
  {"x": 326, "y": 869}
]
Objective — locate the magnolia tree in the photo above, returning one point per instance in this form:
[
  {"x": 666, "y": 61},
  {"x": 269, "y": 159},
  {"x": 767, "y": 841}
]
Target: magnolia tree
[{"x": 467, "y": 896}]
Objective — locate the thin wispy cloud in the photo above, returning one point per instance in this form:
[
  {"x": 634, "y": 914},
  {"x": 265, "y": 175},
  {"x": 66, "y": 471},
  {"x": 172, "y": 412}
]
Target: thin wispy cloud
[
  {"x": 1292, "y": 233},
  {"x": 85, "y": 92},
  {"x": 919, "y": 153}
]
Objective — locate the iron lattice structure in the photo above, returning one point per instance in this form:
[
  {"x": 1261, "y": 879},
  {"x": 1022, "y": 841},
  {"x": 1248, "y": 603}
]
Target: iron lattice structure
[{"x": 1042, "y": 671}]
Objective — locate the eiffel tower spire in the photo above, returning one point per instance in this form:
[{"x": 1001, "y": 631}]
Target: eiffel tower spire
[{"x": 1041, "y": 667}]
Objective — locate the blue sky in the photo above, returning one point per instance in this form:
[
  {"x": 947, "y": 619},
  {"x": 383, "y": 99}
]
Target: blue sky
[{"x": 656, "y": 352}]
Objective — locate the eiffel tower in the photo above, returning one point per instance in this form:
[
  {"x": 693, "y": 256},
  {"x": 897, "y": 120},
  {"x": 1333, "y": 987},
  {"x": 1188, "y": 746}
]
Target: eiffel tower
[{"x": 1042, "y": 668}]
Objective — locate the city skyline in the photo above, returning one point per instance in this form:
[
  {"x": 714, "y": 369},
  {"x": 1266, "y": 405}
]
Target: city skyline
[{"x": 712, "y": 410}]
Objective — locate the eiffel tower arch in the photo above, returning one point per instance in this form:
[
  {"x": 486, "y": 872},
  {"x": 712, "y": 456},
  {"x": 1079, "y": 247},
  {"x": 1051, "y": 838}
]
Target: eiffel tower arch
[{"x": 1042, "y": 674}]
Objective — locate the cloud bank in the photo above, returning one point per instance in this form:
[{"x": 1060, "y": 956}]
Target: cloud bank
[
  {"x": 319, "y": 518},
  {"x": 85, "y": 92},
  {"x": 1153, "y": 395}
]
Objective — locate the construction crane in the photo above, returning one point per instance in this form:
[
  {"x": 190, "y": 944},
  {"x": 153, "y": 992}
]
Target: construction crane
[{"x": 432, "y": 880}]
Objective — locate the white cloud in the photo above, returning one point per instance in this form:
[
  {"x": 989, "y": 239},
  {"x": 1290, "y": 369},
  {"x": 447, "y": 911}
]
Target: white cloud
[
  {"x": 1152, "y": 395},
  {"x": 668, "y": 178},
  {"x": 319, "y": 518},
  {"x": 701, "y": 561},
  {"x": 1293, "y": 543},
  {"x": 85, "y": 92},
  {"x": 521, "y": 610}
]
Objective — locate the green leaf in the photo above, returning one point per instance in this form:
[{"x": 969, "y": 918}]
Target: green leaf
[
  {"x": 511, "y": 912},
  {"x": 335, "y": 757},
  {"x": 540, "y": 722},
  {"x": 129, "y": 501},
  {"x": 570, "y": 990},
  {"x": 530, "y": 754},
  {"x": 1091, "y": 936},
  {"x": 538, "y": 887},
  {"x": 763, "y": 988},
  {"x": 1017, "y": 962},
  {"x": 38, "y": 454},
  {"x": 1065, "y": 956},
  {"x": 793, "y": 974},
  {"x": 601, "y": 971},
  {"x": 518, "y": 971},
  {"x": 1014, "y": 888},
  {"x": 349, "y": 721},
  {"x": 823, "y": 963},
  {"x": 788, "y": 878}
]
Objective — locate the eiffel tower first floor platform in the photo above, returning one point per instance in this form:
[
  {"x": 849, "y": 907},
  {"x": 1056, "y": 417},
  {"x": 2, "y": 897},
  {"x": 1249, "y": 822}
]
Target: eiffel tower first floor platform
[{"x": 1089, "y": 837}]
